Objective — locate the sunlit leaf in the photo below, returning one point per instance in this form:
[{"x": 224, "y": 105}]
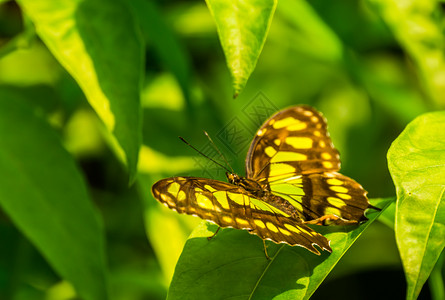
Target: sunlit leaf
[
  {"x": 16, "y": 71},
  {"x": 46, "y": 198},
  {"x": 236, "y": 259},
  {"x": 163, "y": 91},
  {"x": 97, "y": 43},
  {"x": 192, "y": 19},
  {"x": 417, "y": 163},
  {"x": 242, "y": 28},
  {"x": 151, "y": 161}
]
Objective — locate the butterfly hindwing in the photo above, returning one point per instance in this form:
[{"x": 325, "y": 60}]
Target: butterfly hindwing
[
  {"x": 324, "y": 198},
  {"x": 228, "y": 205},
  {"x": 293, "y": 141}
]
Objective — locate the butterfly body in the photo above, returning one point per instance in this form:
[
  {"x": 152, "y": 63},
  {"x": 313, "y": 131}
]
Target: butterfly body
[
  {"x": 250, "y": 186},
  {"x": 254, "y": 189},
  {"x": 290, "y": 181}
]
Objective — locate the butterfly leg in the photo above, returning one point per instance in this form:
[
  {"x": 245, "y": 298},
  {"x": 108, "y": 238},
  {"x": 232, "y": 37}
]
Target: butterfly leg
[
  {"x": 330, "y": 220},
  {"x": 265, "y": 250},
  {"x": 213, "y": 235}
]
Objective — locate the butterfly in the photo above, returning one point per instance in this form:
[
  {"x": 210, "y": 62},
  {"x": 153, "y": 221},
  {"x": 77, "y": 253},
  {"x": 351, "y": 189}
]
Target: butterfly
[{"x": 291, "y": 181}]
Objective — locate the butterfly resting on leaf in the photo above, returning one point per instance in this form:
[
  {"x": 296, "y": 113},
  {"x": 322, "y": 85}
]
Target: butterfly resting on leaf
[{"x": 291, "y": 181}]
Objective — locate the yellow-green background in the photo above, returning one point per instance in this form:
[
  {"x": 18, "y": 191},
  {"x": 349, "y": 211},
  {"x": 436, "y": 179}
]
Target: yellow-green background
[{"x": 370, "y": 66}]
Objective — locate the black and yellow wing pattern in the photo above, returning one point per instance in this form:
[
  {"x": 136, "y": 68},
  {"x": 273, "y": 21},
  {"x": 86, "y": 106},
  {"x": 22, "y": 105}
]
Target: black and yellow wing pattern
[
  {"x": 293, "y": 156},
  {"x": 230, "y": 206},
  {"x": 291, "y": 181}
]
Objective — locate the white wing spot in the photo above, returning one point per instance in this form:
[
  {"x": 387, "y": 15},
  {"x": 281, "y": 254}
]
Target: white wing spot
[{"x": 261, "y": 132}]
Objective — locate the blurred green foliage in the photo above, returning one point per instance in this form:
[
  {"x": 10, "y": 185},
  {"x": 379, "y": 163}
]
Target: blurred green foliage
[{"x": 110, "y": 76}]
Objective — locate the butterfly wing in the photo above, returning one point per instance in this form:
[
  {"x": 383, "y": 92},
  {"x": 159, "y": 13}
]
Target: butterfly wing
[
  {"x": 324, "y": 198},
  {"x": 229, "y": 206},
  {"x": 293, "y": 156},
  {"x": 293, "y": 141}
]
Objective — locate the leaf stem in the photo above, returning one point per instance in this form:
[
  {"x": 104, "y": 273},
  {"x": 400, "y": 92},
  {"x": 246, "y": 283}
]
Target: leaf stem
[{"x": 436, "y": 280}]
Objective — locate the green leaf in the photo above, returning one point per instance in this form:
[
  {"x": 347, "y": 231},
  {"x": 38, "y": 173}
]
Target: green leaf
[
  {"x": 176, "y": 226},
  {"x": 97, "y": 43},
  {"x": 418, "y": 26},
  {"x": 389, "y": 215},
  {"x": 417, "y": 164},
  {"x": 233, "y": 264},
  {"x": 311, "y": 35},
  {"x": 46, "y": 198},
  {"x": 436, "y": 281},
  {"x": 242, "y": 27},
  {"x": 23, "y": 40},
  {"x": 165, "y": 43}
]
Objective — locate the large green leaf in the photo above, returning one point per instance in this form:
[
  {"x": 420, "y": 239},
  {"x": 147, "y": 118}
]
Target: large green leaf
[
  {"x": 98, "y": 44},
  {"x": 417, "y": 164},
  {"x": 46, "y": 198},
  {"x": 242, "y": 28},
  {"x": 233, "y": 264}
]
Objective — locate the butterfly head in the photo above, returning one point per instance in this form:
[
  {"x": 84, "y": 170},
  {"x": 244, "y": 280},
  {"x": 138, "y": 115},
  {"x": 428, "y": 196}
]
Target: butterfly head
[
  {"x": 249, "y": 185},
  {"x": 233, "y": 178}
]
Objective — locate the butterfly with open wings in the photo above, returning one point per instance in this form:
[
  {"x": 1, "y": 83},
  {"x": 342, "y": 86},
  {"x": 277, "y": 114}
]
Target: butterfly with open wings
[{"x": 291, "y": 181}]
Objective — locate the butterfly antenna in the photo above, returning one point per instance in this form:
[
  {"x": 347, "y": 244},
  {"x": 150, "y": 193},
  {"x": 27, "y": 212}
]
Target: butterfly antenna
[
  {"x": 188, "y": 144},
  {"x": 219, "y": 152}
]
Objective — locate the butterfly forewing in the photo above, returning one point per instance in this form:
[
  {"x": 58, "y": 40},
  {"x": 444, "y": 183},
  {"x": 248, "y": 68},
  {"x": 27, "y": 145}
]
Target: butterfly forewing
[
  {"x": 293, "y": 155},
  {"x": 228, "y": 205},
  {"x": 293, "y": 141}
]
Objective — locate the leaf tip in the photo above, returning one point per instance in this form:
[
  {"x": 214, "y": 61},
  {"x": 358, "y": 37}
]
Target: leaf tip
[{"x": 237, "y": 88}]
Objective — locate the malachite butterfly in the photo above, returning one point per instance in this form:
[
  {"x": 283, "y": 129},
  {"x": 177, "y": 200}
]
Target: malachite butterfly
[{"x": 291, "y": 181}]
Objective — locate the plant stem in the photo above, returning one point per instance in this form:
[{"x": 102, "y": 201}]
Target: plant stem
[{"x": 436, "y": 281}]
